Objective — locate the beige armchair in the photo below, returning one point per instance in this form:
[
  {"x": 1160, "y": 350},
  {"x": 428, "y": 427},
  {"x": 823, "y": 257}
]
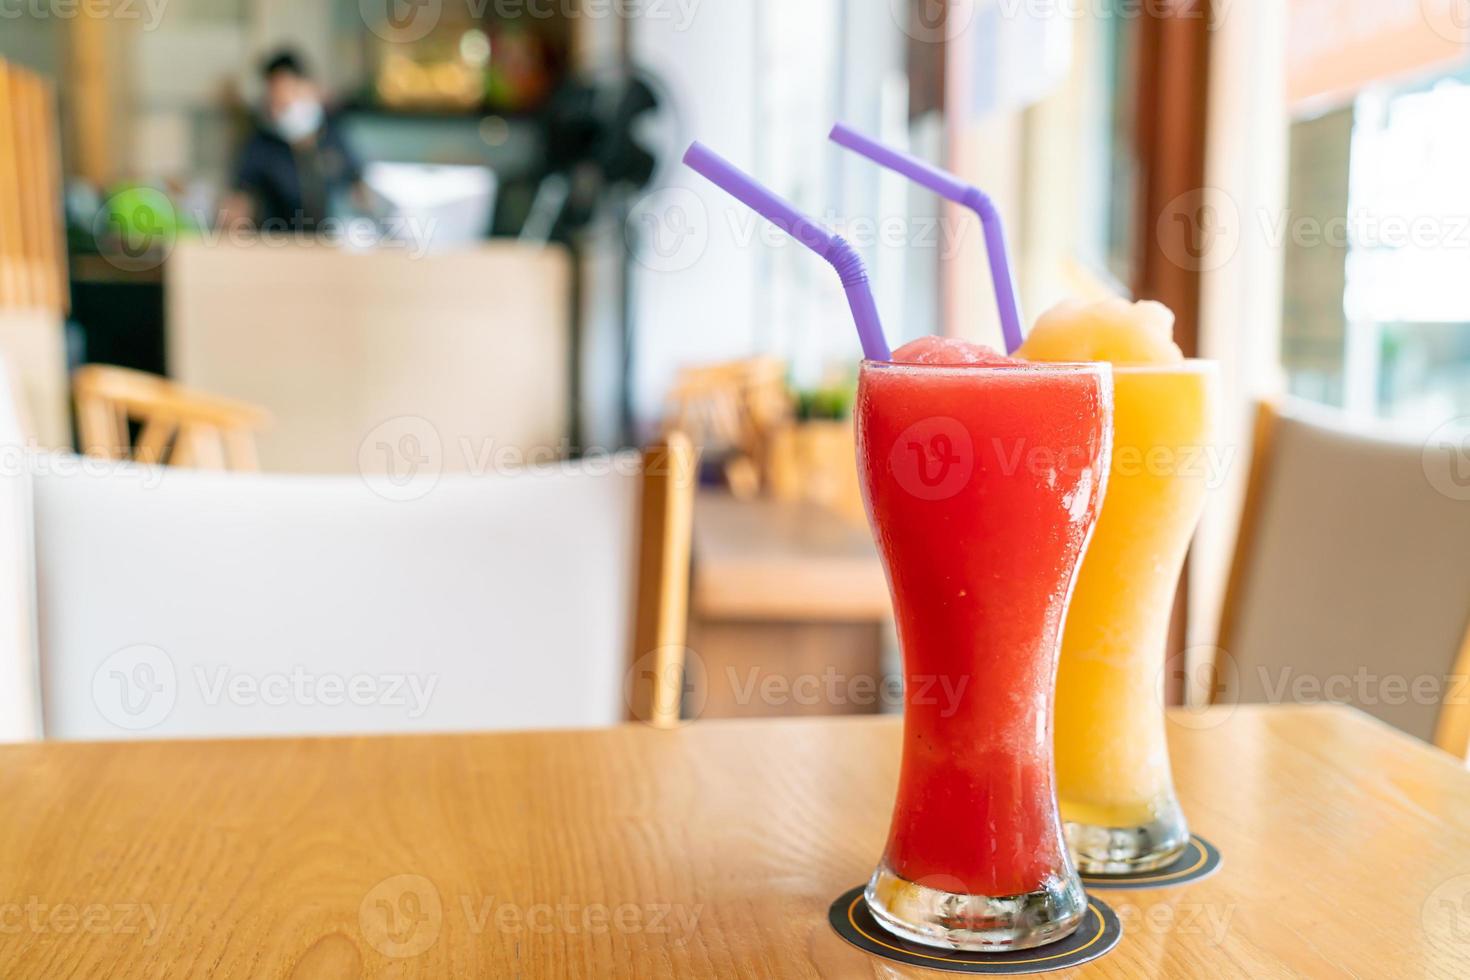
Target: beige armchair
[{"x": 1351, "y": 579}]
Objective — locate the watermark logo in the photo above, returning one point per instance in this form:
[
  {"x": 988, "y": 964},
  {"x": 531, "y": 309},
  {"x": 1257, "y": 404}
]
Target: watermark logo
[
  {"x": 932, "y": 21},
  {"x": 403, "y": 21},
  {"x": 668, "y": 230},
  {"x": 402, "y": 459},
  {"x": 1210, "y": 681},
  {"x": 136, "y": 229},
  {"x": 401, "y": 917},
  {"x": 1446, "y": 458},
  {"x": 1446, "y": 915},
  {"x": 1450, "y": 19},
  {"x": 1200, "y": 230},
  {"x": 667, "y": 683},
  {"x": 934, "y": 458},
  {"x": 136, "y": 687}
]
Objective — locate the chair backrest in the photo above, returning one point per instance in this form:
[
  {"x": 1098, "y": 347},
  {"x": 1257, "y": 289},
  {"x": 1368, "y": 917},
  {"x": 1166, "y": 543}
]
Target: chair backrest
[
  {"x": 739, "y": 406},
  {"x": 187, "y": 603},
  {"x": 334, "y": 341},
  {"x": 1351, "y": 580},
  {"x": 176, "y": 425}
]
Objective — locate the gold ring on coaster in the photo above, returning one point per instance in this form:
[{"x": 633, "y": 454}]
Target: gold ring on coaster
[
  {"x": 1199, "y": 859},
  {"x": 1098, "y": 933}
]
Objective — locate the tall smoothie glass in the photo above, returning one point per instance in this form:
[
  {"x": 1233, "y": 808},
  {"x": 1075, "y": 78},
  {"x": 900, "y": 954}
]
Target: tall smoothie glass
[
  {"x": 982, "y": 485},
  {"x": 1117, "y": 795}
]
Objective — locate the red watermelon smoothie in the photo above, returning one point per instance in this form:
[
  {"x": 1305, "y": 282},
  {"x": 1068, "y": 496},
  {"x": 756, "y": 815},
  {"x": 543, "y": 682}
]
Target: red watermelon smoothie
[{"x": 983, "y": 477}]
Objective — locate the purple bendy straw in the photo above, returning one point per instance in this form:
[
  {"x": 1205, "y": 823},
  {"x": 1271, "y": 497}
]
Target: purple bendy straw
[
  {"x": 833, "y": 248},
  {"x": 948, "y": 186}
]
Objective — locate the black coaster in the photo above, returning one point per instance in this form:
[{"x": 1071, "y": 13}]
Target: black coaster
[
  {"x": 1099, "y": 932},
  {"x": 1200, "y": 859}
]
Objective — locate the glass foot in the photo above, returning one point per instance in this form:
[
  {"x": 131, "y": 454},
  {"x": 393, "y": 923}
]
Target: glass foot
[
  {"x": 976, "y": 923},
  {"x": 1127, "y": 850}
]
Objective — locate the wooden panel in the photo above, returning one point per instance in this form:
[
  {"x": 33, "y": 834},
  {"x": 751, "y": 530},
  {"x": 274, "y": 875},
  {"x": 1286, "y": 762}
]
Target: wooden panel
[
  {"x": 12, "y": 242},
  {"x": 781, "y": 670},
  {"x": 51, "y": 250},
  {"x": 709, "y": 851},
  {"x": 30, "y": 145},
  {"x": 32, "y": 253},
  {"x": 92, "y": 89}
]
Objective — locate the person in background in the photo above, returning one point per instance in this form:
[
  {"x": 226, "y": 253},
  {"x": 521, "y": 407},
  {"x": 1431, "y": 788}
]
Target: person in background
[{"x": 296, "y": 162}]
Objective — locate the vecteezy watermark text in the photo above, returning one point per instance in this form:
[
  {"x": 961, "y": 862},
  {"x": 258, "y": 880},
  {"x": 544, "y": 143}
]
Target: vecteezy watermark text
[
  {"x": 137, "y": 688},
  {"x": 836, "y": 689},
  {"x": 402, "y": 916},
  {"x": 407, "y": 21},
  {"x": 298, "y": 686},
  {"x": 93, "y": 918},
  {"x": 17, "y": 459},
  {"x": 150, "y": 12},
  {"x": 402, "y": 458}
]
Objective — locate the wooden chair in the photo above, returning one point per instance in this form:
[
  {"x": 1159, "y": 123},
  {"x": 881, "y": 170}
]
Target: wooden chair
[
  {"x": 176, "y": 425},
  {"x": 661, "y": 617},
  {"x": 736, "y": 406},
  {"x": 508, "y": 598},
  {"x": 1350, "y": 580}
]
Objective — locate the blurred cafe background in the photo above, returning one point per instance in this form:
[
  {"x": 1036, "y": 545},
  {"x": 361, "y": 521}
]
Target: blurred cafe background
[{"x": 350, "y": 268}]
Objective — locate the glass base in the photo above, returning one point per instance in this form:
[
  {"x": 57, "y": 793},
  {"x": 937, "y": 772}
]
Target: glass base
[
  {"x": 1127, "y": 850},
  {"x": 976, "y": 923}
]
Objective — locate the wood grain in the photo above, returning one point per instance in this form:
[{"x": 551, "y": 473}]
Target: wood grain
[{"x": 707, "y": 851}]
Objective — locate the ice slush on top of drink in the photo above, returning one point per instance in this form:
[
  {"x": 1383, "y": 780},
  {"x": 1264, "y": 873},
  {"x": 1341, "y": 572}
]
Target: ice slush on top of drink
[{"x": 1111, "y": 329}]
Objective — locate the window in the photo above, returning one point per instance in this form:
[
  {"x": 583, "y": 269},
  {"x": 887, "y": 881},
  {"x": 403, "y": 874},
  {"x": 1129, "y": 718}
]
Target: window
[{"x": 1377, "y": 313}]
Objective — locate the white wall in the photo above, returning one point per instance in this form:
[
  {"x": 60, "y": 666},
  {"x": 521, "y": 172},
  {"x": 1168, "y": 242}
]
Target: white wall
[
  {"x": 762, "y": 83},
  {"x": 693, "y": 296},
  {"x": 1241, "y": 301}
]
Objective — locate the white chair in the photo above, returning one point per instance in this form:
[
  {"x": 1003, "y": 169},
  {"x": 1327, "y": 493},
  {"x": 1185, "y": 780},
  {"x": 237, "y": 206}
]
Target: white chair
[
  {"x": 1351, "y": 579},
  {"x": 186, "y": 603},
  {"x": 20, "y": 716}
]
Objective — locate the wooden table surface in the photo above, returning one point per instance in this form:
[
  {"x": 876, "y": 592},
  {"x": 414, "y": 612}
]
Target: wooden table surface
[
  {"x": 711, "y": 851},
  {"x": 775, "y": 560}
]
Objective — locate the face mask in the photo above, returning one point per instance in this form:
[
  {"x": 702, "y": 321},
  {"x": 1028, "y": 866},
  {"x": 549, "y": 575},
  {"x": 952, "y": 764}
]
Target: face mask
[{"x": 300, "y": 119}]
